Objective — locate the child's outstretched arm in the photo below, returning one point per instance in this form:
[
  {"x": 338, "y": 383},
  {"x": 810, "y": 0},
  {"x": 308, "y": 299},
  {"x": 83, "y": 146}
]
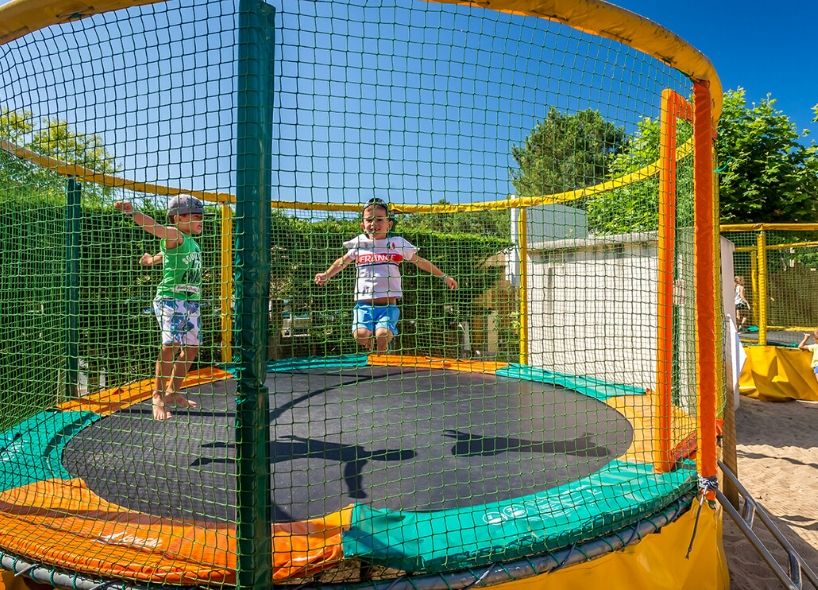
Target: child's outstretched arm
[
  {"x": 171, "y": 235},
  {"x": 430, "y": 267},
  {"x": 322, "y": 278},
  {"x": 803, "y": 344},
  {"x": 151, "y": 259}
]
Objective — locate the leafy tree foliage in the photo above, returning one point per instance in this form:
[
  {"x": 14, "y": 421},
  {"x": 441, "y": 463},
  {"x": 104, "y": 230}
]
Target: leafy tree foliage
[
  {"x": 486, "y": 223},
  {"x": 766, "y": 173},
  {"x": 53, "y": 138},
  {"x": 565, "y": 152},
  {"x": 635, "y": 206}
]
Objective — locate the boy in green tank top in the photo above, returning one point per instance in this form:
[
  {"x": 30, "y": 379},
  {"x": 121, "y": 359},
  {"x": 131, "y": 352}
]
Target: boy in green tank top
[{"x": 177, "y": 297}]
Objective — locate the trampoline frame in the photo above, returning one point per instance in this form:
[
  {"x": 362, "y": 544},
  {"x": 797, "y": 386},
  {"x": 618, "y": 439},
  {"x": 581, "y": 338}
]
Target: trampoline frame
[
  {"x": 306, "y": 547},
  {"x": 607, "y": 21}
]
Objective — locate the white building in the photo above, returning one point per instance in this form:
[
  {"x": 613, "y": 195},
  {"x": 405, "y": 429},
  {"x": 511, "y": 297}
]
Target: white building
[{"x": 592, "y": 304}]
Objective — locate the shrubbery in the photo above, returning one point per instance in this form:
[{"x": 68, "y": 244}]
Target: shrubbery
[{"x": 118, "y": 333}]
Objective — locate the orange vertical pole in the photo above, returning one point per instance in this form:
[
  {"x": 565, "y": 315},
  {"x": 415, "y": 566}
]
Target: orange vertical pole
[
  {"x": 666, "y": 252},
  {"x": 705, "y": 278},
  {"x": 673, "y": 107}
]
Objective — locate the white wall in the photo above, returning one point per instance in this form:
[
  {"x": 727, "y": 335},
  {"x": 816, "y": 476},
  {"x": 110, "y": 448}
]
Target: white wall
[
  {"x": 592, "y": 308},
  {"x": 734, "y": 355}
]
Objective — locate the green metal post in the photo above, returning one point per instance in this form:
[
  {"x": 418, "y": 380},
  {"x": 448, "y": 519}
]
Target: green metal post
[
  {"x": 252, "y": 280},
  {"x": 73, "y": 227}
]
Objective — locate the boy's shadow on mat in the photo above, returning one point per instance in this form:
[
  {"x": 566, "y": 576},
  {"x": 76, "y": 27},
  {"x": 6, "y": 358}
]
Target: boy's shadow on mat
[
  {"x": 354, "y": 457},
  {"x": 470, "y": 445}
]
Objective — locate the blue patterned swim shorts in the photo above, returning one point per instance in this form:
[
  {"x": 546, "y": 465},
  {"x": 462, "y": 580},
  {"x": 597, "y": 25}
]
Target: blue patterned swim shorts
[{"x": 179, "y": 321}]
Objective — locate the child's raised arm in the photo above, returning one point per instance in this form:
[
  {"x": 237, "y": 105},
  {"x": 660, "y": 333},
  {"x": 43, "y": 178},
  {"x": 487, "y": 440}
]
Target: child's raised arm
[
  {"x": 151, "y": 259},
  {"x": 803, "y": 343},
  {"x": 322, "y": 278},
  {"x": 171, "y": 235},
  {"x": 430, "y": 267}
]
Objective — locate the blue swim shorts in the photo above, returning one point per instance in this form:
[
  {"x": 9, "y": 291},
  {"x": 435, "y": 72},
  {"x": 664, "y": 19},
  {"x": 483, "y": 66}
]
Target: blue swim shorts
[{"x": 372, "y": 317}]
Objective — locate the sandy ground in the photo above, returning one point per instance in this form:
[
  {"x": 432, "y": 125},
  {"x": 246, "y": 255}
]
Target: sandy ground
[{"x": 777, "y": 449}]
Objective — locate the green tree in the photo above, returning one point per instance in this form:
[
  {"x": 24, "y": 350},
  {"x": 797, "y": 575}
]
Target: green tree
[
  {"x": 15, "y": 124},
  {"x": 14, "y": 127},
  {"x": 565, "y": 152},
  {"x": 766, "y": 173},
  {"x": 486, "y": 223},
  {"x": 635, "y": 207},
  {"x": 54, "y": 138}
]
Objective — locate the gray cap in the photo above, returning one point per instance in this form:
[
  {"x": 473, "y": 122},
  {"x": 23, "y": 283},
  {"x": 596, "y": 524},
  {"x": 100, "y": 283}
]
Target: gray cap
[{"x": 185, "y": 205}]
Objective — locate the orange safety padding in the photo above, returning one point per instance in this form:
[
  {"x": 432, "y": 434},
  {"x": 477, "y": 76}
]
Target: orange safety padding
[
  {"x": 63, "y": 523},
  {"x": 427, "y": 362},
  {"x": 778, "y": 374},
  {"x": 640, "y": 412},
  {"x": 706, "y": 283},
  {"x": 115, "y": 399},
  {"x": 673, "y": 107}
]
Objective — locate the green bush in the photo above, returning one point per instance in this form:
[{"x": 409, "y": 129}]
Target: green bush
[{"x": 117, "y": 333}]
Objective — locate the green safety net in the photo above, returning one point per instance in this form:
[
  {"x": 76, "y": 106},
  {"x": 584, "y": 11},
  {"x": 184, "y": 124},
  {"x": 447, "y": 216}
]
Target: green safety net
[
  {"x": 285, "y": 119},
  {"x": 776, "y": 268}
]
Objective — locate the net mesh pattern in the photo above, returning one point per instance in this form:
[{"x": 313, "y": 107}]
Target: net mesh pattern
[{"x": 439, "y": 362}]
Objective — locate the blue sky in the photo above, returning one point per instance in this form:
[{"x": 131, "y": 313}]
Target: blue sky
[
  {"x": 411, "y": 105},
  {"x": 765, "y": 47},
  {"x": 762, "y": 46}
]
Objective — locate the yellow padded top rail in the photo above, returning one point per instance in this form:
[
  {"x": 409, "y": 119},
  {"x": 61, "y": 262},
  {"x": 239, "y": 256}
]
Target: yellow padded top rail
[
  {"x": 110, "y": 180},
  {"x": 612, "y": 22},
  {"x": 596, "y": 17},
  {"x": 21, "y": 17},
  {"x": 87, "y": 175},
  {"x": 739, "y": 227}
]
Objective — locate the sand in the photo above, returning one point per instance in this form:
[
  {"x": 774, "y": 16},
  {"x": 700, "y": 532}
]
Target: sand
[{"x": 777, "y": 450}]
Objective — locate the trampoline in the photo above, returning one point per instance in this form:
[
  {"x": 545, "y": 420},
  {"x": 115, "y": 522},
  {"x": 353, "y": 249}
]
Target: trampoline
[
  {"x": 423, "y": 473},
  {"x": 420, "y": 465},
  {"x": 782, "y": 338}
]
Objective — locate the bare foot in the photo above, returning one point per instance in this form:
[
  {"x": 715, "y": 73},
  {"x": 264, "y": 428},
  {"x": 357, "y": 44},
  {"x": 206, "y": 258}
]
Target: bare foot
[
  {"x": 160, "y": 412},
  {"x": 180, "y": 401}
]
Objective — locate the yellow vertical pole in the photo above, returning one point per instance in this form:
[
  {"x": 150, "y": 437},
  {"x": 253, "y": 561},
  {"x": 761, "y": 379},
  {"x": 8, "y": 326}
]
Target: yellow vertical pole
[
  {"x": 226, "y": 282},
  {"x": 754, "y": 282},
  {"x": 762, "y": 296},
  {"x": 522, "y": 236}
]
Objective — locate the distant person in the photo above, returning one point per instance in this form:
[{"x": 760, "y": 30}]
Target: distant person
[
  {"x": 742, "y": 306},
  {"x": 813, "y": 348},
  {"x": 378, "y": 256},
  {"x": 178, "y": 296}
]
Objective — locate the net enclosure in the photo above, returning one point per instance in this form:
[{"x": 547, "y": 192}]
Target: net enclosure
[
  {"x": 355, "y": 294},
  {"x": 775, "y": 263},
  {"x": 773, "y": 266}
]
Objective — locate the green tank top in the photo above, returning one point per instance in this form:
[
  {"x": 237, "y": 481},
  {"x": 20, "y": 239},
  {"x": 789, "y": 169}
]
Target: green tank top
[{"x": 181, "y": 271}]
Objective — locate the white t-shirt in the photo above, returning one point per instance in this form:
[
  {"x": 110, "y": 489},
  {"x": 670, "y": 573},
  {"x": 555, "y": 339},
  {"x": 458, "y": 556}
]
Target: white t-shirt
[
  {"x": 813, "y": 348},
  {"x": 377, "y": 263}
]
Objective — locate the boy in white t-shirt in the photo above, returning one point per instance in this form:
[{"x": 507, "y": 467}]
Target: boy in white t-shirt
[
  {"x": 813, "y": 348},
  {"x": 378, "y": 257}
]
